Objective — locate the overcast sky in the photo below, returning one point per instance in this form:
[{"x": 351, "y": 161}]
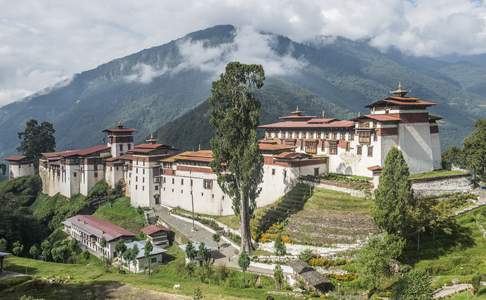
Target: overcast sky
[{"x": 43, "y": 42}]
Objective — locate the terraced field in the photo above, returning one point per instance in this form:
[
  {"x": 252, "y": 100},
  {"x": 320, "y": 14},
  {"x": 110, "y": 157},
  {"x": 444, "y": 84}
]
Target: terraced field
[
  {"x": 315, "y": 216},
  {"x": 330, "y": 217}
]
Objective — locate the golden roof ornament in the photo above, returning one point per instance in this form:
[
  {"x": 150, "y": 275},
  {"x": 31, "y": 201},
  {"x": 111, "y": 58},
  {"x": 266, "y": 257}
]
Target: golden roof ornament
[
  {"x": 120, "y": 124},
  {"x": 400, "y": 91}
]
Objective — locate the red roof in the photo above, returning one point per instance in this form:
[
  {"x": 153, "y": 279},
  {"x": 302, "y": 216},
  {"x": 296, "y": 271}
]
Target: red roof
[
  {"x": 383, "y": 117},
  {"x": 274, "y": 147},
  {"x": 402, "y": 101},
  {"x": 375, "y": 168},
  {"x": 151, "y": 229},
  {"x": 16, "y": 158},
  {"x": 320, "y": 120},
  {"x": 92, "y": 150},
  {"x": 308, "y": 124},
  {"x": 80, "y": 152},
  {"x": 99, "y": 227},
  {"x": 291, "y": 155}
]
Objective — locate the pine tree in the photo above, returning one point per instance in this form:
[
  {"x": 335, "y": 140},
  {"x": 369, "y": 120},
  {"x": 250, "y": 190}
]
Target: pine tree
[
  {"x": 394, "y": 196},
  {"x": 238, "y": 162}
]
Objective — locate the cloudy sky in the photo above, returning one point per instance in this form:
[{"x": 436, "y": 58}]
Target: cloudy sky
[{"x": 44, "y": 42}]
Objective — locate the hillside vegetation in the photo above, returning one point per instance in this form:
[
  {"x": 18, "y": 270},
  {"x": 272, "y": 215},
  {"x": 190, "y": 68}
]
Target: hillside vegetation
[
  {"x": 339, "y": 78},
  {"x": 122, "y": 214}
]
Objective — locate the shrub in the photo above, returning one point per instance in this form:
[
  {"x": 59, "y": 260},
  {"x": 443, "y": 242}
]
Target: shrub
[
  {"x": 306, "y": 255},
  {"x": 414, "y": 285}
]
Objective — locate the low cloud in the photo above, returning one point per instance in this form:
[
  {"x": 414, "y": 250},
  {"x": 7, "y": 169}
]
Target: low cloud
[
  {"x": 42, "y": 42},
  {"x": 144, "y": 73},
  {"x": 249, "y": 46}
]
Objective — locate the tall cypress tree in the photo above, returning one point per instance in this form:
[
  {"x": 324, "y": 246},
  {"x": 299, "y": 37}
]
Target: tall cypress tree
[
  {"x": 394, "y": 196},
  {"x": 238, "y": 162},
  {"x": 36, "y": 139}
]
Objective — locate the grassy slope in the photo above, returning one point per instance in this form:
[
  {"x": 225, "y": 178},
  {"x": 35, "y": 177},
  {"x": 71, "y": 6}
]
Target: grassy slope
[
  {"x": 457, "y": 256},
  {"x": 327, "y": 217},
  {"x": 122, "y": 214},
  {"x": 330, "y": 217},
  {"x": 436, "y": 174},
  {"x": 84, "y": 277}
]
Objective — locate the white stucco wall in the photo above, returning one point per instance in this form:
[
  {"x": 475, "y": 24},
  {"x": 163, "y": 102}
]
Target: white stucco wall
[
  {"x": 416, "y": 146},
  {"x": 88, "y": 178},
  {"x": 176, "y": 190},
  {"x": 436, "y": 152},
  {"x": 19, "y": 170},
  {"x": 142, "y": 185}
]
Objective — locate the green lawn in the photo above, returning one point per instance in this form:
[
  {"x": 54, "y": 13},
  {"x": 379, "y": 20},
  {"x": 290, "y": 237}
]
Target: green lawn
[
  {"x": 468, "y": 296},
  {"x": 455, "y": 256},
  {"x": 436, "y": 174},
  {"x": 81, "y": 278},
  {"x": 122, "y": 214}
]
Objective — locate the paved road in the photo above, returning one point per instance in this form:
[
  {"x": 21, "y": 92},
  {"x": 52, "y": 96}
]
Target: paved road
[{"x": 229, "y": 254}]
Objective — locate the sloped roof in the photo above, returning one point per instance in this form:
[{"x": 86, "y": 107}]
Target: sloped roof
[
  {"x": 381, "y": 117},
  {"x": 151, "y": 229},
  {"x": 98, "y": 227},
  {"x": 78, "y": 152},
  {"x": 16, "y": 158},
  {"x": 307, "y": 124},
  {"x": 402, "y": 101},
  {"x": 141, "y": 248}
]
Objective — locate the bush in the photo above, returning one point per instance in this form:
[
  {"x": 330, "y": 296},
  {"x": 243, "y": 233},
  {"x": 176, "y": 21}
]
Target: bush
[
  {"x": 306, "y": 255},
  {"x": 414, "y": 285}
]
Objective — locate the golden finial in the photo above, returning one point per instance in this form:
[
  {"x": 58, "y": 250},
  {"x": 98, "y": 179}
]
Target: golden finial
[
  {"x": 120, "y": 124},
  {"x": 400, "y": 91}
]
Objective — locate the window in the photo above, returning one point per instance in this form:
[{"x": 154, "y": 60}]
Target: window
[
  {"x": 156, "y": 187},
  {"x": 351, "y": 136},
  {"x": 143, "y": 171},
  {"x": 136, "y": 178},
  {"x": 129, "y": 146},
  {"x": 143, "y": 179},
  {"x": 121, "y": 147},
  {"x": 316, "y": 171},
  {"x": 136, "y": 187},
  {"x": 75, "y": 174},
  {"x": 347, "y": 146},
  {"x": 143, "y": 188},
  {"x": 332, "y": 147},
  {"x": 95, "y": 174},
  {"x": 370, "y": 151},
  {"x": 359, "y": 149},
  {"x": 153, "y": 260},
  {"x": 173, "y": 181},
  {"x": 182, "y": 191},
  {"x": 163, "y": 179},
  {"x": 208, "y": 184},
  {"x": 182, "y": 181},
  {"x": 326, "y": 135},
  {"x": 273, "y": 171},
  {"x": 364, "y": 137},
  {"x": 285, "y": 174}
]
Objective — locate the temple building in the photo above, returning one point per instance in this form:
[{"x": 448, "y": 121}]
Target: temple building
[
  {"x": 136, "y": 167},
  {"x": 359, "y": 146},
  {"x": 19, "y": 165},
  {"x": 187, "y": 179}
]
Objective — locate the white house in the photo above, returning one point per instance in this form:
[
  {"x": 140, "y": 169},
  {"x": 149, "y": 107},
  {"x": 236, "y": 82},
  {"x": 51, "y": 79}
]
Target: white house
[
  {"x": 90, "y": 231},
  {"x": 359, "y": 146},
  {"x": 141, "y": 263},
  {"x": 19, "y": 165}
]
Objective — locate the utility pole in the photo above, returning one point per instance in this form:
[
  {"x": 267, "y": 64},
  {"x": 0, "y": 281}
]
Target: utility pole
[{"x": 192, "y": 201}]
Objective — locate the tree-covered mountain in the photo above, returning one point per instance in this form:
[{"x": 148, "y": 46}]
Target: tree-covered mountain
[{"x": 164, "y": 88}]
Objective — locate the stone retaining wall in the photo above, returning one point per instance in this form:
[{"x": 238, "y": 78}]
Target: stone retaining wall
[{"x": 444, "y": 185}]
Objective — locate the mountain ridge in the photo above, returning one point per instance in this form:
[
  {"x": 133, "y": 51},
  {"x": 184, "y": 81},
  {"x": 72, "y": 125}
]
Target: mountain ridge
[{"x": 155, "y": 88}]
